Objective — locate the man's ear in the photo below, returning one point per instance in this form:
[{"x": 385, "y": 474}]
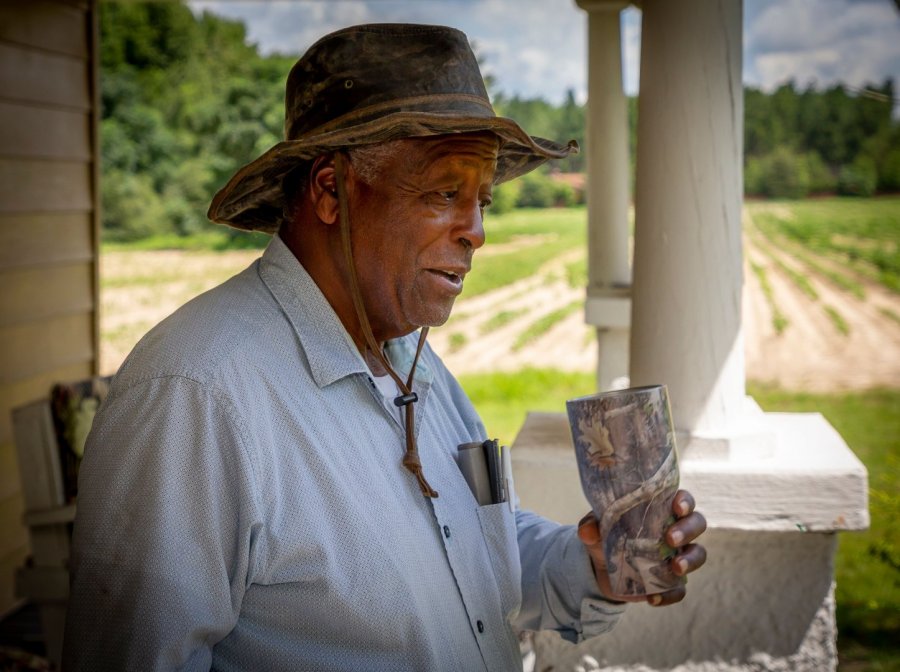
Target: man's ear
[{"x": 323, "y": 189}]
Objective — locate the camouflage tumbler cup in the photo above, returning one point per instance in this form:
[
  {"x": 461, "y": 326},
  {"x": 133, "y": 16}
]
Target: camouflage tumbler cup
[{"x": 625, "y": 447}]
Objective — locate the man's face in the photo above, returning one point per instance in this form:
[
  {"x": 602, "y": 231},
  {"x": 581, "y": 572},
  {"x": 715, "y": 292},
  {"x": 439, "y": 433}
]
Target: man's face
[{"x": 416, "y": 226}]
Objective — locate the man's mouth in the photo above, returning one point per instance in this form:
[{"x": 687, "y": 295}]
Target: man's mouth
[{"x": 453, "y": 277}]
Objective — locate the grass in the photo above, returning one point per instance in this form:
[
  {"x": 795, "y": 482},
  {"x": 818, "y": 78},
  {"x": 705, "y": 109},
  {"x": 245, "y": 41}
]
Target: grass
[
  {"x": 837, "y": 320},
  {"x": 840, "y": 280},
  {"x": 499, "y": 320},
  {"x": 457, "y": 341},
  {"x": 503, "y": 399},
  {"x": 811, "y": 261},
  {"x": 862, "y": 234},
  {"x": 779, "y": 321},
  {"x": 800, "y": 280},
  {"x": 545, "y": 324},
  {"x": 577, "y": 273},
  {"x": 867, "y": 564},
  {"x": 218, "y": 239}
]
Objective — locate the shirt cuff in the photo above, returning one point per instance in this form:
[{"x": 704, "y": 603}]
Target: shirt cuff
[{"x": 599, "y": 615}]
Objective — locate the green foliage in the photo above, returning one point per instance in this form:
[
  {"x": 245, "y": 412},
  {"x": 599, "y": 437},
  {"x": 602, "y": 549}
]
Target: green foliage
[
  {"x": 780, "y": 174},
  {"x": 504, "y": 197},
  {"x": 859, "y": 178},
  {"x": 185, "y": 101},
  {"x": 563, "y": 195},
  {"x": 536, "y": 190},
  {"x": 827, "y": 133},
  {"x": 889, "y": 173},
  {"x": 132, "y": 209},
  {"x": 545, "y": 120},
  {"x": 821, "y": 177}
]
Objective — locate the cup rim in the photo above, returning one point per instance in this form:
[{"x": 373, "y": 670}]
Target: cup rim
[{"x": 615, "y": 393}]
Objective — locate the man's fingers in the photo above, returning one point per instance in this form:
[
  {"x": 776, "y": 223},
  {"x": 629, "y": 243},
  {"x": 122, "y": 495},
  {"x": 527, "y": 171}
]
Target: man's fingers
[
  {"x": 683, "y": 503},
  {"x": 685, "y": 530},
  {"x": 689, "y": 558},
  {"x": 668, "y": 597},
  {"x": 588, "y": 531}
]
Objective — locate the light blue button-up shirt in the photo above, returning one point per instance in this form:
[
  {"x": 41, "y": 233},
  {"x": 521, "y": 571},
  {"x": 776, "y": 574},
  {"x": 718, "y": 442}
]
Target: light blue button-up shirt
[{"x": 243, "y": 506}]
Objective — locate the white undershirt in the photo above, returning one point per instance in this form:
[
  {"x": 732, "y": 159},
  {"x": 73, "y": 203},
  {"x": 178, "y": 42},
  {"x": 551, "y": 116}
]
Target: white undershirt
[{"x": 390, "y": 391}]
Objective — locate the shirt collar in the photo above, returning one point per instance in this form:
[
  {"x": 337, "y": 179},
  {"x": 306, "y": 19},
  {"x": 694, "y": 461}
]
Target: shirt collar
[
  {"x": 330, "y": 350},
  {"x": 331, "y": 353}
]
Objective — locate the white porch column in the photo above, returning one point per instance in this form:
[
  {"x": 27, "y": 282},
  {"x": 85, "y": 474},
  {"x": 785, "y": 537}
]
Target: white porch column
[
  {"x": 687, "y": 262},
  {"x": 608, "y": 304}
]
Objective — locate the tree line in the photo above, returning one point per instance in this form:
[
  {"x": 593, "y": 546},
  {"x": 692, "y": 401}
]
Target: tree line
[{"x": 186, "y": 100}]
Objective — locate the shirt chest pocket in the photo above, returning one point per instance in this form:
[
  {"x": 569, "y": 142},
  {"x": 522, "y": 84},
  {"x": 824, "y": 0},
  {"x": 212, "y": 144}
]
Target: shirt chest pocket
[{"x": 498, "y": 525}]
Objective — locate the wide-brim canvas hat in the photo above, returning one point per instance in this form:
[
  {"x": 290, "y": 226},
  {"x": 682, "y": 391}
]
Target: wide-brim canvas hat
[{"x": 376, "y": 83}]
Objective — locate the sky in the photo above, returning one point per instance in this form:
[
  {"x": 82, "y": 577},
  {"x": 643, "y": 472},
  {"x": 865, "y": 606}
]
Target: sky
[{"x": 537, "y": 48}]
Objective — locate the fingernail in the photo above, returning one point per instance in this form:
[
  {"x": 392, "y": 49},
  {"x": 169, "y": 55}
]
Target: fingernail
[
  {"x": 676, "y": 537},
  {"x": 683, "y": 508},
  {"x": 682, "y": 565},
  {"x": 655, "y": 600}
]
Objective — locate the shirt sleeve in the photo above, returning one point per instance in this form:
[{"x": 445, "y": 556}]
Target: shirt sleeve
[
  {"x": 163, "y": 540},
  {"x": 559, "y": 591}
]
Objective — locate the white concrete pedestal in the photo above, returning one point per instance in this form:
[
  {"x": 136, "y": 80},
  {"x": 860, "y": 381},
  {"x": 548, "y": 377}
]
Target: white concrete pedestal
[{"x": 764, "y": 599}]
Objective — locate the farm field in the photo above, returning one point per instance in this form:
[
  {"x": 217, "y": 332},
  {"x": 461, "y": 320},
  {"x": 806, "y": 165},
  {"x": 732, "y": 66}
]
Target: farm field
[
  {"x": 822, "y": 333},
  {"x": 821, "y": 294}
]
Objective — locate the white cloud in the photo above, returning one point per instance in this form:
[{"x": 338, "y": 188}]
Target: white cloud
[
  {"x": 821, "y": 42},
  {"x": 533, "y": 47},
  {"x": 631, "y": 50},
  {"x": 537, "y": 47}
]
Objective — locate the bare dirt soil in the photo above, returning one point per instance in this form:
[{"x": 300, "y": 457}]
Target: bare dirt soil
[{"x": 811, "y": 352}]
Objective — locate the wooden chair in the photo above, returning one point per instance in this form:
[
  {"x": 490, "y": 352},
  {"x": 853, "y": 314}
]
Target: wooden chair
[{"x": 49, "y": 435}]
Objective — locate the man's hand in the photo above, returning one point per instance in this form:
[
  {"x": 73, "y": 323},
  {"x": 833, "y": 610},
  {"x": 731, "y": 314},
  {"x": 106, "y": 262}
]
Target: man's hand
[{"x": 689, "y": 556}]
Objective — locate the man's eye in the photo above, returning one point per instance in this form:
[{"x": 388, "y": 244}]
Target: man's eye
[
  {"x": 448, "y": 195},
  {"x": 485, "y": 203}
]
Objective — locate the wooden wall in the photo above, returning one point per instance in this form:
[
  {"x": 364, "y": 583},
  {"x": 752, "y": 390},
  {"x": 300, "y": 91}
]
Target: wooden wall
[{"x": 48, "y": 224}]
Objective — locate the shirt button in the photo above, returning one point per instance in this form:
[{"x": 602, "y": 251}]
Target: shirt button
[
  {"x": 480, "y": 626},
  {"x": 446, "y": 531}
]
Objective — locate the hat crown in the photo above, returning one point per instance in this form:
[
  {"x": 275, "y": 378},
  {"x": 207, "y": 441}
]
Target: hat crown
[{"x": 373, "y": 70}]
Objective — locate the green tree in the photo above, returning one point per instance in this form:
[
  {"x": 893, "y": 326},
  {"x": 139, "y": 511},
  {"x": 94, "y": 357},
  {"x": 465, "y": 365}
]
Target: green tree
[
  {"x": 570, "y": 125},
  {"x": 185, "y": 102},
  {"x": 858, "y": 178},
  {"x": 784, "y": 174}
]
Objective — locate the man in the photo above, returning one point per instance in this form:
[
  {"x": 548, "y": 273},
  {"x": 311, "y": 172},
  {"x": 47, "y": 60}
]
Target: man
[{"x": 271, "y": 483}]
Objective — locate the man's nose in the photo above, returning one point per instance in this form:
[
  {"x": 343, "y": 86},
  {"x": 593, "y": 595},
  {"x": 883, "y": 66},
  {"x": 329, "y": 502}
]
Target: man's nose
[{"x": 471, "y": 230}]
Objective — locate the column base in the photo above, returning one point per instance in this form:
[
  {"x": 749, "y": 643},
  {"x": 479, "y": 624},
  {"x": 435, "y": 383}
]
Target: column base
[{"x": 749, "y": 437}]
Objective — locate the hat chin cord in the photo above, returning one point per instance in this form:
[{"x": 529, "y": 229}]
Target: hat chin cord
[{"x": 408, "y": 398}]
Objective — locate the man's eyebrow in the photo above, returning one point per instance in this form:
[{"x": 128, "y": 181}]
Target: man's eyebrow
[{"x": 423, "y": 164}]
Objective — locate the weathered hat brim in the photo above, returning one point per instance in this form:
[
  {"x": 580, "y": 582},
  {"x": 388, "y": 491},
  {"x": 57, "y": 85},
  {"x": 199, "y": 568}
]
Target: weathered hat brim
[{"x": 253, "y": 198}]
